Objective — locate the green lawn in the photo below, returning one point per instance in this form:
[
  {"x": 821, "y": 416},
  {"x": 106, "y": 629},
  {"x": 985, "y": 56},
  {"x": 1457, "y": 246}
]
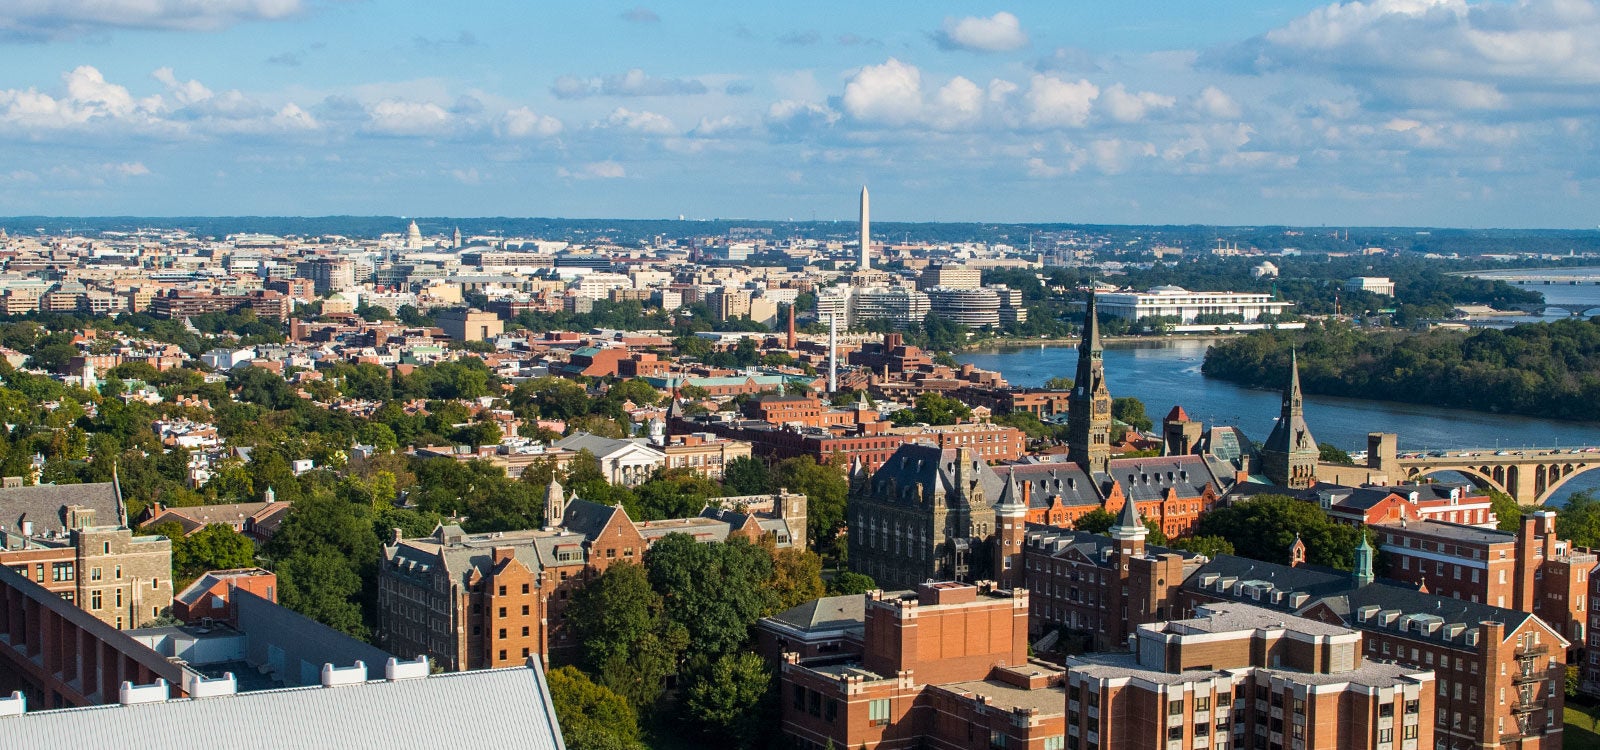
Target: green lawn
[{"x": 1579, "y": 733}]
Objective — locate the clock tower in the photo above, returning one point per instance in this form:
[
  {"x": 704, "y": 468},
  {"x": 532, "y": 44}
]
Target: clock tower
[{"x": 1089, "y": 406}]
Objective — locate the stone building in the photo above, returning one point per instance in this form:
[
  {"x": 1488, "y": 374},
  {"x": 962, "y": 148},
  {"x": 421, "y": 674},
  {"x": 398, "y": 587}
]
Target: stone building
[{"x": 926, "y": 514}]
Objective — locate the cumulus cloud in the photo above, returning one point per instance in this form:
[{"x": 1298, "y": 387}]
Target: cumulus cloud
[
  {"x": 1124, "y": 106},
  {"x": 1440, "y": 53},
  {"x": 797, "y": 116},
  {"x": 49, "y": 19},
  {"x": 634, "y": 82},
  {"x": 1001, "y": 32},
  {"x": 890, "y": 93},
  {"x": 641, "y": 122},
  {"x": 599, "y": 170},
  {"x": 525, "y": 123},
  {"x": 1215, "y": 103},
  {"x": 404, "y": 118},
  {"x": 957, "y": 103},
  {"x": 1054, "y": 103}
]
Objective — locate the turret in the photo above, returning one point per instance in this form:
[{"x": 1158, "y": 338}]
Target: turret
[
  {"x": 555, "y": 504},
  {"x": 1363, "y": 567},
  {"x": 1129, "y": 531},
  {"x": 1297, "y": 552},
  {"x": 1010, "y": 523}
]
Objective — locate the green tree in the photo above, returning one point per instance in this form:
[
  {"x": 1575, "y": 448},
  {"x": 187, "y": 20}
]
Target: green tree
[
  {"x": 848, "y": 583},
  {"x": 1579, "y": 521},
  {"x": 716, "y": 591},
  {"x": 726, "y": 697},
  {"x": 622, "y": 628},
  {"x": 1506, "y": 511},
  {"x": 796, "y": 578},
  {"x": 746, "y": 476},
  {"x": 1097, "y": 521},
  {"x": 1130, "y": 411},
  {"x": 1329, "y": 453},
  {"x": 826, "y": 490},
  {"x": 592, "y": 717},
  {"x": 934, "y": 409},
  {"x": 672, "y": 493},
  {"x": 1058, "y": 384},
  {"x": 1210, "y": 546},
  {"x": 322, "y": 586},
  {"x": 638, "y": 391},
  {"x": 215, "y": 547},
  {"x": 1263, "y": 528}
]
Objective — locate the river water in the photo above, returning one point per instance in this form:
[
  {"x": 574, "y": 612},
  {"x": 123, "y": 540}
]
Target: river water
[{"x": 1162, "y": 373}]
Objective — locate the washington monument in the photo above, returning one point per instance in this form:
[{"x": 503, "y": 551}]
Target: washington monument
[{"x": 866, "y": 229}]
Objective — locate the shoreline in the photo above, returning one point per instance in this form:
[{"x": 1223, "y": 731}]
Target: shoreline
[{"x": 1022, "y": 343}]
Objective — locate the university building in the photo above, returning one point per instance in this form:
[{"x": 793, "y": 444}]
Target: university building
[{"x": 473, "y": 601}]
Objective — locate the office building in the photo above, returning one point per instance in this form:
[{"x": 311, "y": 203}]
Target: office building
[{"x": 1187, "y": 308}]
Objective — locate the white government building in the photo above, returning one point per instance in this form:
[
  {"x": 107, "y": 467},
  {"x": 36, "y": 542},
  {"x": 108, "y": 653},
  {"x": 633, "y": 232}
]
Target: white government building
[{"x": 1186, "y": 306}]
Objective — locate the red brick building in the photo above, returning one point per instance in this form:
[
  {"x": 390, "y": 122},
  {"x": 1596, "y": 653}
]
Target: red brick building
[{"x": 944, "y": 667}]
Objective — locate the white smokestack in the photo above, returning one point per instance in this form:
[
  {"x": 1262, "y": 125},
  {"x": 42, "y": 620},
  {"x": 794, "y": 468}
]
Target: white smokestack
[
  {"x": 833, "y": 353},
  {"x": 866, "y": 230}
]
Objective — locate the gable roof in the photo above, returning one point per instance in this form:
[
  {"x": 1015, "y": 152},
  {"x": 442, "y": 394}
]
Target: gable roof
[{"x": 933, "y": 471}]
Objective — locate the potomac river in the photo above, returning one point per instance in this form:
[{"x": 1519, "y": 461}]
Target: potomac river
[{"x": 1165, "y": 372}]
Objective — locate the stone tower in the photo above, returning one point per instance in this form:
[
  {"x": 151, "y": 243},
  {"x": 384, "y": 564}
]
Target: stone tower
[
  {"x": 1180, "y": 435},
  {"x": 1089, "y": 406},
  {"x": 1289, "y": 457},
  {"x": 555, "y": 505}
]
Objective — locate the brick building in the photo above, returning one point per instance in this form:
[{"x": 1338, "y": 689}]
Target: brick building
[
  {"x": 471, "y": 601},
  {"x": 1094, "y": 589},
  {"x": 1499, "y": 672},
  {"x": 1240, "y": 676},
  {"x": 945, "y": 666}
]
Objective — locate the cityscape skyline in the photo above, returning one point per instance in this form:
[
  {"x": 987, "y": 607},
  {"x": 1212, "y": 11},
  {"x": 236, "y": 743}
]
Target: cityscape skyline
[{"x": 1457, "y": 113}]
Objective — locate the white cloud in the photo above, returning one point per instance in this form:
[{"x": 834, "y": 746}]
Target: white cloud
[
  {"x": 403, "y": 118},
  {"x": 129, "y": 169},
  {"x": 185, "y": 92},
  {"x": 890, "y": 93},
  {"x": 1123, "y": 106},
  {"x": 957, "y": 103},
  {"x": 710, "y": 126},
  {"x": 43, "y": 19},
  {"x": 523, "y": 123},
  {"x": 1001, "y": 32},
  {"x": 599, "y": 170},
  {"x": 1215, "y": 103},
  {"x": 1038, "y": 168},
  {"x": 642, "y": 122},
  {"x": 1054, "y": 103}
]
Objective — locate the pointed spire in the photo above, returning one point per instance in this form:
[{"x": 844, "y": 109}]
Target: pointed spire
[
  {"x": 1129, "y": 517},
  {"x": 1091, "y": 326},
  {"x": 1291, "y": 397},
  {"x": 1010, "y": 499},
  {"x": 1363, "y": 567}
]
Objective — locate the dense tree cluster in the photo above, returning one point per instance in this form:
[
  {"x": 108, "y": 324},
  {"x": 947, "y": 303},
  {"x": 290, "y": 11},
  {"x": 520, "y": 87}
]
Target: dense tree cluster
[{"x": 1542, "y": 369}]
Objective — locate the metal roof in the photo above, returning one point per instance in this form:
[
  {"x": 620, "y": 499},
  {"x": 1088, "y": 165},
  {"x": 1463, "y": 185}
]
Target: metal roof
[{"x": 500, "y": 708}]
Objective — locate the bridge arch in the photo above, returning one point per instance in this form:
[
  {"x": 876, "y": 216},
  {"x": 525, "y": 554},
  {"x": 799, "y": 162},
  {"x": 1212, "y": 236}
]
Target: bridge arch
[
  {"x": 1568, "y": 471},
  {"x": 1482, "y": 477}
]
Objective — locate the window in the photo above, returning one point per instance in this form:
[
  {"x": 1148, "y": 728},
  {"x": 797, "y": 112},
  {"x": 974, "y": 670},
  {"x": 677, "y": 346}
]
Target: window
[
  {"x": 1057, "y": 742},
  {"x": 524, "y": 631},
  {"x": 1202, "y": 703},
  {"x": 997, "y": 738},
  {"x": 799, "y": 698},
  {"x": 524, "y": 610},
  {"x": 502, "y": 591},
  {"x": 502, "y": 654},
  {"x": 524, "y": 590},
  {"x": 878, "y": 712},
  {"x": 502, "y": 635},
  {"x": 94, "y": 574},
  {"x": 1386, "y": 735},
  {"x": 119, "y": 572},
  {"x": 1386, "y": 710},
  {"x": 1410, "y": 732},
  {"x": 94, "y": 600},
  {"x": 1175, "y": 707}
]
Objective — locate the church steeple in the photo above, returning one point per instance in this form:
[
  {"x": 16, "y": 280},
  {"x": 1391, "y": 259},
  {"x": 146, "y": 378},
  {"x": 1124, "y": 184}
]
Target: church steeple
[
  {"x": 1089, "y": 405},
  {"x": 1289, "y": 457},
  {"x": 555, "y": 504}
]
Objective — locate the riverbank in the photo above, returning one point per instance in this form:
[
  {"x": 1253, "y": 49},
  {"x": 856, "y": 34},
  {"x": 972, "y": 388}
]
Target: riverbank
[{"x": 1009, "y": 343}]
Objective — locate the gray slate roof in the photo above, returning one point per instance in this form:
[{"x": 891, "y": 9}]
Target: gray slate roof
[
  {"x": 45, "y": 505},
  {"x": 932, "y": 471},
  {"x": 827, "y": 613},
  {"x": 500, "y": 708}
]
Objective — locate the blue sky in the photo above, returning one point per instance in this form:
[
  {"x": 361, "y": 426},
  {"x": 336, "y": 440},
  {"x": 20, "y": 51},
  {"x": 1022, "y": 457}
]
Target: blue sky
[{"x": 1410, "y": 112}]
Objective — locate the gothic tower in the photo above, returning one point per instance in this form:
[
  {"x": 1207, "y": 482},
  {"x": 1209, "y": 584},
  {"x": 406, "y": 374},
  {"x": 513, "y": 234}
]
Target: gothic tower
[
  {"x": 1289, "y": 457},
  {"x": 1089, "y": 406}
]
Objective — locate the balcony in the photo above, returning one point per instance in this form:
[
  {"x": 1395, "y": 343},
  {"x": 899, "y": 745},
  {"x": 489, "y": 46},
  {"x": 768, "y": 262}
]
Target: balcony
[
  {"x": 1527, "y": 707},
  {"x": 1537, "y": 649},
  {"x": 1522, "y": 678}
]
